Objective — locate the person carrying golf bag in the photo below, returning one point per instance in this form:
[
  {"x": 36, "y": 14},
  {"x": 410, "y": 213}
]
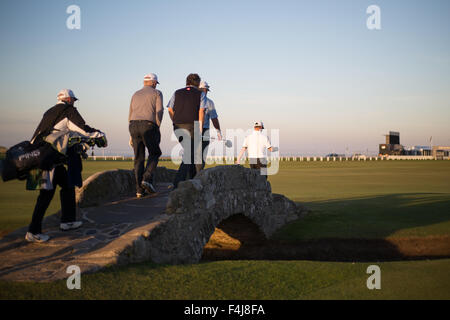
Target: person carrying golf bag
[{"x": 65, "y": 130}]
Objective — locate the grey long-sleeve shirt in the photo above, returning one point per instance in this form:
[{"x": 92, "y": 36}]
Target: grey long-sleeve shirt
[{"x": 147, "y": 104}]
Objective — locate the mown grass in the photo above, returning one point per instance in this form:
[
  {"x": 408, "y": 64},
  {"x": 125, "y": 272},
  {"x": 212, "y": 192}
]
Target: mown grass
[
  {"x": 384, "y": 199},
  {"x": 350, "y": 199},
  {"x": 280, "y": 280}
]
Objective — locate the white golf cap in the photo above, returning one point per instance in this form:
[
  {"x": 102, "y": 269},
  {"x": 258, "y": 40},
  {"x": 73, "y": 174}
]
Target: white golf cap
[
  {"x": 66, "y": 93},
  {"x": 203, "y": 84},
  {"x": 151, "y": 76},
  {"x": 258, "y": 124}
]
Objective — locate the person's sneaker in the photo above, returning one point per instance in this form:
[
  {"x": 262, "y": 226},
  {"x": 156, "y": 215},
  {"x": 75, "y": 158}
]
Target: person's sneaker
[
  {"x": 148, "y": 186},
  {"x": 36, "y": 237},
  {"x": 70, "y": 225}
]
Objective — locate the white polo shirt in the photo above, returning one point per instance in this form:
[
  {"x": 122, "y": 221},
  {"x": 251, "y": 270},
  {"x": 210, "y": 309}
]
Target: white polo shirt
[{"x": 257, "y": 144}]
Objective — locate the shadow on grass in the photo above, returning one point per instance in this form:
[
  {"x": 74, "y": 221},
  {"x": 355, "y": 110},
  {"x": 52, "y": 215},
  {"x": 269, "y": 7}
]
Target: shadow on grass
[
  {"x": 378, "y": 217},
  {"x": 380, "y": 228}
]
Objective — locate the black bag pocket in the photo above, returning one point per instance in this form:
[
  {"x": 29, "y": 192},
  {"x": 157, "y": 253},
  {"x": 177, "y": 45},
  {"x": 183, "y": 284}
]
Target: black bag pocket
[{"x": 24, "y": 156}]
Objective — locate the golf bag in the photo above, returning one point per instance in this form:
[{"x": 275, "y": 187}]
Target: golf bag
[{"x": 23, "y": 157}]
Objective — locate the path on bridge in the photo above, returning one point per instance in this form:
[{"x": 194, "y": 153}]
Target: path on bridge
[{"x": 107, "y": 231}]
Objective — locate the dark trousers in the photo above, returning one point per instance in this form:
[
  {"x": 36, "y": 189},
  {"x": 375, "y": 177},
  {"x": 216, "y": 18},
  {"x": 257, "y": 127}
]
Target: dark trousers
[
  {"x": 188, "y": 169},
  {"x": 205, "y": 144},
  {"x": 258, "y": 163},
  {"x": 67, "y": 195},
  {"x": 145, "y": 134}
]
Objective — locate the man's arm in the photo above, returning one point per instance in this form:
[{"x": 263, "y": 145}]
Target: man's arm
[
  {"x": 244, "y": 147},
  {"x": 159, "y": 108},
  {"x": 216, "y": 125},
  {"x": 241, "y": 154},
  {"x": 268, "y": 145},
  {"x": 214, "y": 118},
  {"x": 201, "y": 111},
  {"x": 129, "y": 113},
  {"x": 171, "y": 113},
  {"x": 201, "y": 117},
  {"x": 170, "y": 106}
]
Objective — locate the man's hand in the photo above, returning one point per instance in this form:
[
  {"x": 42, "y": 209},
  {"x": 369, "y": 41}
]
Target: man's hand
[
  {"x": 130, "y": 142},
  {"x": 101, "y": 142},
  {"x": 219, "y": 135}
]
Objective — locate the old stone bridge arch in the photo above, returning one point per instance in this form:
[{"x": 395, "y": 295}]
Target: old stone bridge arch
[{"x": 199, "y": 205}]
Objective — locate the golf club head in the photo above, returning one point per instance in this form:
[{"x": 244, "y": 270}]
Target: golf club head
[{"x": 228, "y": 143}]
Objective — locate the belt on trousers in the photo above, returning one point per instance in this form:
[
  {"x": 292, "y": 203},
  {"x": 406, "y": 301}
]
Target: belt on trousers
[{"x": 148, "y": 121}]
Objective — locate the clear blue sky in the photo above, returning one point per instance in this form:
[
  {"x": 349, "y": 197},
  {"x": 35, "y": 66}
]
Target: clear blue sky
[{"x": 309, "y": 68}]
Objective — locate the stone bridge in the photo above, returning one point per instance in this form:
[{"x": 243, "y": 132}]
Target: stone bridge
[{"x": 167, "y": 228}]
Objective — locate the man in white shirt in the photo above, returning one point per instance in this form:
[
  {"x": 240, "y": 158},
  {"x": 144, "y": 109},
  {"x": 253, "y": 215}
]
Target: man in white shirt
[{"x": 256, "y": 145}]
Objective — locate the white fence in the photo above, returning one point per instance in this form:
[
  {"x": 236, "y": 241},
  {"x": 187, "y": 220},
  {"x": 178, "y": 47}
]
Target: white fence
[
  {"x": 292, "y": 159},
  {"x": 360, "y": 158}
]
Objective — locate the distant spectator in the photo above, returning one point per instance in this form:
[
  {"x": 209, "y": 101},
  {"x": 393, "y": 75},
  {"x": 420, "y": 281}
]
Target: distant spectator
[{"x": 257, "y": 144}]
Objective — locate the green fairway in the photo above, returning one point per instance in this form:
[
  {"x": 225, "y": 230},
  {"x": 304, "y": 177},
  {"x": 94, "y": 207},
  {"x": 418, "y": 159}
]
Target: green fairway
[
  {"x": 249, "y": 280},
  {"x": 386, "y": 199},
  {"x": 348, "y": 199}
]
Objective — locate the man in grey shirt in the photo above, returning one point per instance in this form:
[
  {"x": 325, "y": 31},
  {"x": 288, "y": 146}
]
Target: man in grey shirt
[{"x": 146, "y": 113}]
